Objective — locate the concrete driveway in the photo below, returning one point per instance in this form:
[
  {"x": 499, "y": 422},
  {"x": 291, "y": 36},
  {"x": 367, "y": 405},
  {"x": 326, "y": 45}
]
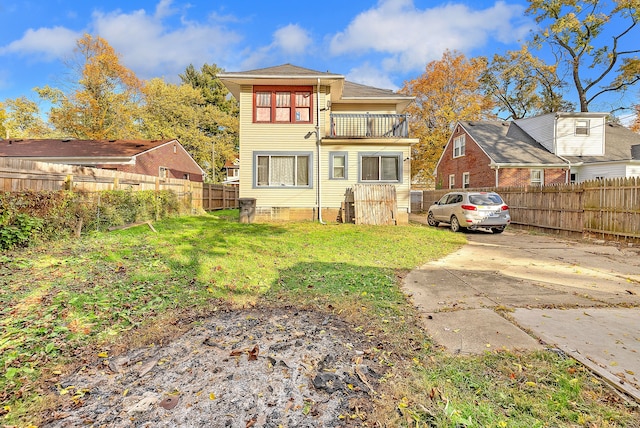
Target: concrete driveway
[{"x": 521, "y": 291}]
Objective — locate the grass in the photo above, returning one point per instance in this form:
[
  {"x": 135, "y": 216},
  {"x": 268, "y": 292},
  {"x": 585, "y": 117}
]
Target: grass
[{"x": 68, "y": 301}]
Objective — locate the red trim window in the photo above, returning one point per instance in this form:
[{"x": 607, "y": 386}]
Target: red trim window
[{"x": 283, "y": 104}]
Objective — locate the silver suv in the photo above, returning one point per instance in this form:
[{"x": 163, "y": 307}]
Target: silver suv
[{"x": 470, "y": 210}]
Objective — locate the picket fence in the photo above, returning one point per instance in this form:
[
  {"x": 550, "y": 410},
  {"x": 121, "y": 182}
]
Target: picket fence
[{"x": 607, "y": 208}]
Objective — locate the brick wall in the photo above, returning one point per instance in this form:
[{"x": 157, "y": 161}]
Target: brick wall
[
  {"x": 476, "y": 163},
  {"x": 171, "y": 155},
  {"x": 519, "y": 177}
]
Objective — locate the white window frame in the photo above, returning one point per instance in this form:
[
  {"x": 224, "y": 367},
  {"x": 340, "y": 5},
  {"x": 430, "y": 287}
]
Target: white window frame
[
  {"x": 380, "y": 156},
  {"x": 452, "y": 181},
  {"x": 270, "y": 155},
  {"x": 465, "y": 180},
  {"x": 459, "y": 146},
  {"x": 332, "y": 157},
  {"x": 582, "y": 128},
  {"x": 163, "y": 172},
  {"x": 537, "y": 177}
]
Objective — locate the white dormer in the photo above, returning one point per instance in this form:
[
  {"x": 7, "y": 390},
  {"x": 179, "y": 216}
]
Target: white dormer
[{"x": 568, "y": 134}]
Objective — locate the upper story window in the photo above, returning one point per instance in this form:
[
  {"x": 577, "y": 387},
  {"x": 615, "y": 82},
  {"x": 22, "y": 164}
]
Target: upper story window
[
  {"x": 459, "y": 144},
  {"x": 582, "y": 127},
  {"x": 282, "y": 104}
]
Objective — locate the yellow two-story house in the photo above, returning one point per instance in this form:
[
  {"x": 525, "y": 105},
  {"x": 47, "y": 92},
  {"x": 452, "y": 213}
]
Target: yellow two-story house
[{"x": 307, "y": 136}]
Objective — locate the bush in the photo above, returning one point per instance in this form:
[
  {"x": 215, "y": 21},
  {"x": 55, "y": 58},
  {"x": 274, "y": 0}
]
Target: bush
[{"x": 27, "y": 216}]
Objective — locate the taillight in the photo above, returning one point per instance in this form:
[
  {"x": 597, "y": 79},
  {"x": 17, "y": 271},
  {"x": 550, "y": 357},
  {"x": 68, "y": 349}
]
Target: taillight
[
  {"x": 504, "y": 207},
  {"x": 469, "y": 207}
]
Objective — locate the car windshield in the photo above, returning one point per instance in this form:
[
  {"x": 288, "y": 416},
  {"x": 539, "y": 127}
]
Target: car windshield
[{"x": 485, "y": 199}]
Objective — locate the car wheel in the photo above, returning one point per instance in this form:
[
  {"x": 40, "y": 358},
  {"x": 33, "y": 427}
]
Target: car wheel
[
  {"x": 497, "y": 229},
  {"x": 455, "y": 224},
  {"x": 432, "y": 221}
]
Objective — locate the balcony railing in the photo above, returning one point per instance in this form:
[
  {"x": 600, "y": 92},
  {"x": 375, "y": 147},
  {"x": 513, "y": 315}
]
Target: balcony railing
[{"x": 366, "y": 125}]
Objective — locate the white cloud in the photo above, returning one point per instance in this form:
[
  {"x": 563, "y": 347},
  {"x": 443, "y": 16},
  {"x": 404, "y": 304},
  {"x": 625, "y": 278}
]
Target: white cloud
[
  {"x": 152, "y": 48},
  {"x": 370, "y": 75},
  {"x": 289, "y": 43},
  {"x": 410, "y": 37},
  {"x": 292, "y": 39},
  {"x": 48, "y": 44}
]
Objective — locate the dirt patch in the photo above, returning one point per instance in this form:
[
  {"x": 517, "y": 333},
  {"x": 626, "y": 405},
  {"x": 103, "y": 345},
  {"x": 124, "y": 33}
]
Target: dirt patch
[{"x": 240, "y": 368}]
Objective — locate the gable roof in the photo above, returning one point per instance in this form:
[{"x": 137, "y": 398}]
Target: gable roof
[
  {"x": 77, "y": 148},
  {"x": 505, "y": 143},
  {"x": 620, "y": 144},
  {"x": 288, "y": 74}
]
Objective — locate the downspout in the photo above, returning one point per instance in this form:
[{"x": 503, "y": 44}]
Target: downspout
[
  {"x": 497, "y": 175},
  {"x": 319, "y": 153}
]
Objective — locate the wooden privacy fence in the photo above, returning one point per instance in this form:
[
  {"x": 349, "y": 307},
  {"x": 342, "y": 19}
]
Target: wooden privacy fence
[
  {"x": 219, "y": 196},
  {"x": 609, "y": 208},
  {"x": 19, "y": 175},
  {"x": 370, "y": 204}
]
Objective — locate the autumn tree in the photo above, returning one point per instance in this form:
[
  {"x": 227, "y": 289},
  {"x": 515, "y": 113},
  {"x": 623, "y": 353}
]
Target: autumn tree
[
  {"x": 103, "y": 102},
  {"x": 22, "y": 119},
  {"x": 448, "y": 91},
  {"x": 222, "y": 128},
  {"x": 180, "y": 111},
  {"x": 594, "y": 41},
  {"x": 522, "y": 85},
  {"x": 636, "y": 123}
]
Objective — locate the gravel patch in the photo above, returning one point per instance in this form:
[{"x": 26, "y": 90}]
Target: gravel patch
[{"x": 244, "y": 368}]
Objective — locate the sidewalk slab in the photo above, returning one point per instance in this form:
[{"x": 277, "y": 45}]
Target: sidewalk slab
[
  {"x": 475, "y": 331},
  {"x": 607, "y": 340}
]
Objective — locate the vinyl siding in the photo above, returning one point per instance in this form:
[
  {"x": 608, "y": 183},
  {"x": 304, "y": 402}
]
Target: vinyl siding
[
  {"x": 606, "y": 170},
  {"x": 569, "y": 144},
  {"x": 540, "y": 128},
  {"x": 287, "y": 138}
]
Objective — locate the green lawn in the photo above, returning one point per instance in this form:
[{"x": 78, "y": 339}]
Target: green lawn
[{"x": 64, "y": 300}]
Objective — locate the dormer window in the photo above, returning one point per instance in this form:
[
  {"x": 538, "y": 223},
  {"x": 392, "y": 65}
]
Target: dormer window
[
  {"x": 282, "y": 104},
  {"x": 582, "y": 127}
]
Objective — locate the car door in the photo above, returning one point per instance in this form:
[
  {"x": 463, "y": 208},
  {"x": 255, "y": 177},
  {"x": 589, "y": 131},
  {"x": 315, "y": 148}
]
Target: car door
[{"x": 439, "y": 206}]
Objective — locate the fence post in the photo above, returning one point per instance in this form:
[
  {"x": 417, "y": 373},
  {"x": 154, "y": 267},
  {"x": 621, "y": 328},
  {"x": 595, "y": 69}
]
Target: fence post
[{"x": 68, "y": 182}]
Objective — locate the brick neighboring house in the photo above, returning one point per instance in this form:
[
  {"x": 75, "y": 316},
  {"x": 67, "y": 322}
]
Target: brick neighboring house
[
  {"x": 549, "y": 149},
  {"x": 159, "y": 158}
]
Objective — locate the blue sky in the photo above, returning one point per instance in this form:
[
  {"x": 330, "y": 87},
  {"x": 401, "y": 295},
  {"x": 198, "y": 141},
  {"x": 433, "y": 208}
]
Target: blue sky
[{"x": 380, "y": 43}]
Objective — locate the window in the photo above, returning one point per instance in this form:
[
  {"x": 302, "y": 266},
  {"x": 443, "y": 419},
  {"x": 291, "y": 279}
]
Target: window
[
  {"x": 537, "y": 177},
  {"x": 282, "y": 169},
  {"x": 465, "y": 180},
  {"x": 573, "y": 177},
  {"x": 459, "y": 144},
  {"x": 582, "y": 127},
  {"x": 380, "y": 167},
  {"x": 282, "y": 104},
  {"x": 163, "y": 172},
  {"x": 338, "y": 166},
  {"x": 452, "y": 181}
]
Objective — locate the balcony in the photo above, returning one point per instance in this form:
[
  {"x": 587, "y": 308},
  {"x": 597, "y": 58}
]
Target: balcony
[{"x": 366, "y": 125}]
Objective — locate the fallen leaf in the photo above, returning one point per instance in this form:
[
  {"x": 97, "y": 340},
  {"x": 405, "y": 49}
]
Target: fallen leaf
[
  {"x": 530, "y": 383},
  {"x": 103, "y": 355},
  {"x": 212, "y": 396},
  {"x": 253, "y": 354}
]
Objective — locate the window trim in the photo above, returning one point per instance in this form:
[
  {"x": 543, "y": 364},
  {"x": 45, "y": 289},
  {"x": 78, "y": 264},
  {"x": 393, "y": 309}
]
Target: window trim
[
  {"x": 397, "y": 155},
  {"x": 541, "y": 181},
  {"x": 452, "y": 181},
  {"x": 466, "y": 176},
  {"x": 586, "y": 127},
  {"x": 459, "y": 145},
  {"x": 333, "y": 155},
  {"x": 284, "y": 153},
  {"x": 163, "y": 172},
  {"x": 274, "y": 89}
]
